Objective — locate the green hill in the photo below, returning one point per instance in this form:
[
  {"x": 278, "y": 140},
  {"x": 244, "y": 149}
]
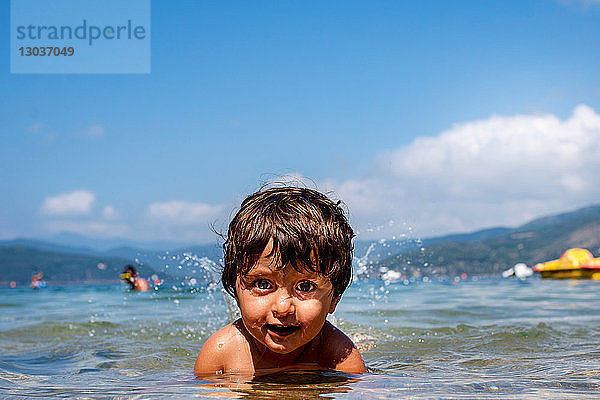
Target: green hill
[
  {"x": 18, "y": 263},
  {"x": 537, "y": 241}
]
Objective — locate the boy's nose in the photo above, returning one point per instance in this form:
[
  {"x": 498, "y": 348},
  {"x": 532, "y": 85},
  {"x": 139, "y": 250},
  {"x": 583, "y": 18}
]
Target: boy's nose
[{"x": 283, "y": 304}]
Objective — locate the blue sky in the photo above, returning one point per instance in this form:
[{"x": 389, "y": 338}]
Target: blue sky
[{"x": 340, "y": 93}]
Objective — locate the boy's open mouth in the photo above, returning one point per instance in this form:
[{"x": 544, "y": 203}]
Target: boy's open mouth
[{"x": 282, "y": 330}]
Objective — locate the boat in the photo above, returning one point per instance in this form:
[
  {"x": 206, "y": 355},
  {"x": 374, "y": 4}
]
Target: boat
[
  {"x": 573, "y": 264},
  {"x": 520, "y": 270}
]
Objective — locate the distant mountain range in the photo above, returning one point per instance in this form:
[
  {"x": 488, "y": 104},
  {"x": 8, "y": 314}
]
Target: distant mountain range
[
  {"x": 385, "y": 248},
  {"x": 18, "y": 263},
  {"x": 62, "y": 264},
  {"x": 493, "y": 251},
  {"x": 483, "y": 252}
]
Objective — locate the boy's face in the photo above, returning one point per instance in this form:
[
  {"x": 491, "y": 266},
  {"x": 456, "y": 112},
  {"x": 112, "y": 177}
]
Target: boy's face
[{"x": 283, "y": 309}]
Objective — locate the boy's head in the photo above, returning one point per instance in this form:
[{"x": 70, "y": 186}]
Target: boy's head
[{"x": 308, "y": 232}]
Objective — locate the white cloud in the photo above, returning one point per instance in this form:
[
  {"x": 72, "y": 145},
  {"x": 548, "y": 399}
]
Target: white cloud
[
  {"x": 109, "y": 212},
  {"x": 42, "y": 133},
  {"x": 496, "y": 171},
  {"x": 78, "y": 202},
  {"x": 502, "y": 170},
  {"x": 182, "y": 212},
  {"x": 96, "y": 130},
  {"x": 36, "y": 127}
]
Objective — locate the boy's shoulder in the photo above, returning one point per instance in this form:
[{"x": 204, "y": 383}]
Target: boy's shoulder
[
  {"x": 339, "y": 352},
  {"x": 226, "y": 350}
]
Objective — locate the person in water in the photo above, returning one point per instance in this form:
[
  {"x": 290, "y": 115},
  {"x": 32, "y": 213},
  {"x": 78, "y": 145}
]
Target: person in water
[
  {"x": 136, "y": 283},
  {"x": 287, "y": 261},
  {"x": 37, "y": 282}
]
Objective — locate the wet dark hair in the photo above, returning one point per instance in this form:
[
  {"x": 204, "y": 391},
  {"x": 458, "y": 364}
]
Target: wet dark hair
[
  {"x": 309, "y": 232},
  {"x": 131, "y": 269}
]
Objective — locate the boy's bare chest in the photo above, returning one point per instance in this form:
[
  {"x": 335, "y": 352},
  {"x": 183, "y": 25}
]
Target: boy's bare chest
[{"x": 307, "y": 357}]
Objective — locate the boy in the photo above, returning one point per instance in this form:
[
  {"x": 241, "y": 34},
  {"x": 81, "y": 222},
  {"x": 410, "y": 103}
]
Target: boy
[{"x": 288, "y": 259}]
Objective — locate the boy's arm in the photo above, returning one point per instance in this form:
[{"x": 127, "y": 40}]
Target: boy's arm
[
  {"x": 227, "y": 350},
  {"x": 352, "y": 364},
  {"x": 211, "y": 356},
  {"x": 342, "y": 354}
]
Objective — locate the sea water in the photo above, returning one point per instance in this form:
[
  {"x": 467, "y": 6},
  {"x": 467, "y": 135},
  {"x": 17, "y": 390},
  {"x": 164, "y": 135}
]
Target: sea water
[{"x": 447, "y": 338}]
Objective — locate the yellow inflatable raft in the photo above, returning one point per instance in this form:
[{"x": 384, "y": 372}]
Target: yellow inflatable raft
[{"x": 574, "y": 263}]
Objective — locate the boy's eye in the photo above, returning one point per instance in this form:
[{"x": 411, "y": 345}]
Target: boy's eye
[
  {"x": 262, "y": 284},
  {"x": 306, "y": 286}
]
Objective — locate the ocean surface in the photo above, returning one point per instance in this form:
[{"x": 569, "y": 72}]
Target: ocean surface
[{"x": 452, "y": 339}]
